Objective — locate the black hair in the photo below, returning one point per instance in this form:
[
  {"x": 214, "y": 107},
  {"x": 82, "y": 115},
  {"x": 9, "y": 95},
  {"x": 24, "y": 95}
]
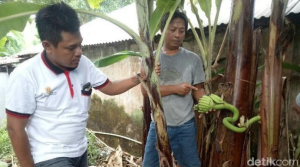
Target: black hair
[
  {"x": 177, "y": 14},
  {"x": 53, "y": 19}
]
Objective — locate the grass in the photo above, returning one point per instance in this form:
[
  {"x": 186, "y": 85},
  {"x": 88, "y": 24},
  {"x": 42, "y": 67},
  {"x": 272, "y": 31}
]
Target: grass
[{"x": 6, "y": 149}]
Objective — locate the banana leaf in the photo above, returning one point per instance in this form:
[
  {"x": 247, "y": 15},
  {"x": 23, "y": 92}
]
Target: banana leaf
[
  {"x": 162, "y": 7},
  {"x": 94, "y": 4},
  {"x": 14, "y": 15},
  {"x": 108, "y": 60},
  {"x": 290, "y": 66}
]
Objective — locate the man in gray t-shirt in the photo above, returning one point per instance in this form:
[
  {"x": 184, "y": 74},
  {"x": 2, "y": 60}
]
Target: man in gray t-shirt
[
  {"x": 184, "y": 67},
  {"x": 182, "y": 78}
]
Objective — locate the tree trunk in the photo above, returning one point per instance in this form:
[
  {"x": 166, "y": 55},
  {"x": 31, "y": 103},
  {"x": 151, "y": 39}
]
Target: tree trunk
[
  {"x": 229, "y": 148},
  {"x": 271, "y": 85},
  {"x": 162, "y": 139},
  {"x": 146, "y": 121}
]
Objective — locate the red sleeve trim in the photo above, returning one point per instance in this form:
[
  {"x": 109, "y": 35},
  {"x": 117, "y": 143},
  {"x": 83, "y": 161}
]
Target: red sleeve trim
[
  {"x": 101, "y": 86},
  {"x": 17, "y": 115}
]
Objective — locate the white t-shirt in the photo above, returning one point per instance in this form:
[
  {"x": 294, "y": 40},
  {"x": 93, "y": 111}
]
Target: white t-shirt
[{"x": 56, "y": 104}]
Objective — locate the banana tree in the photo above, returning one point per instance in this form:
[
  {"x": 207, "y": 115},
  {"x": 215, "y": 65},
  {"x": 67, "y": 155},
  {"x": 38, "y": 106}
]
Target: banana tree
[
  {"x": 271, "y": 84},
  {"x": 152, "y": 87},
  {"x": 230, "y": 147}
]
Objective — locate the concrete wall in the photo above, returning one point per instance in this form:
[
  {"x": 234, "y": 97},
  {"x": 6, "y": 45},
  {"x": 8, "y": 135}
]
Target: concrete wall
[{"x": 132, "y": 99}]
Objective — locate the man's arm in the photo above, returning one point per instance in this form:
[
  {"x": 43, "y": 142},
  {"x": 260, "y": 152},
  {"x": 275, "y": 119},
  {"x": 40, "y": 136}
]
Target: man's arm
[
  {"x": 165, "y": 90},
  {"x": 118, "y": 87},
  {"x": 197, "y": 94},
  {"x": 180, "y": 89},
  {"x": 19, "y": 140}
]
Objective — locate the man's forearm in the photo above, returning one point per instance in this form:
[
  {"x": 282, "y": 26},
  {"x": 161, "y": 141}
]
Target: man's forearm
[
  {"x": 21, "y": 148},
  {"x": 121, "y": 86},
  {"x": 166, "y": 90}
]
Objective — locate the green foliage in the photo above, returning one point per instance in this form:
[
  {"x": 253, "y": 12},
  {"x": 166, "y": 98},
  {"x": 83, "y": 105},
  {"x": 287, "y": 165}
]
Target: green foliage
[
  {"x": 8, "y": 12},
  {"x": 137, "y": 116},
  {"x": 108, "y": 60},
  {"x": 14, "y": 15},
  {"x": 290, "y": 66},
  {"x": 107, "y": 116},
  {"x": 162, "y": 7},
  {"x": 94, "y": 152},
  {"x": 12, "y": 43},
  {"x": 94, "y": 4},
  {"x": 2, "y": 45},
  {"x": 6, "y": 149},
  {"x": 108, "y": 5},
  {"x": 206, "y": 7}
]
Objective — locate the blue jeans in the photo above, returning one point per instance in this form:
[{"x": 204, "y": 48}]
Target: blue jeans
[
  {"x": 81, "y": 161},
  {"x": 183, "y": 145}
]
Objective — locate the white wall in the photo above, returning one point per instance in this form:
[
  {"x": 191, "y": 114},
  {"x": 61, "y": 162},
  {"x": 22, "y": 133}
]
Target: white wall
[{"x": 3, "y": 83}]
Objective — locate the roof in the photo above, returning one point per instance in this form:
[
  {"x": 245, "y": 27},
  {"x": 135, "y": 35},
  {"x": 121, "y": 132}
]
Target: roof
[
  {"x": 13, "y": 59},
  {"x": 100, "y": 31}
]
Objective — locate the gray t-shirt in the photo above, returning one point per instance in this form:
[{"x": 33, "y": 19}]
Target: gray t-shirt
[{"x": 185, "y": 66}]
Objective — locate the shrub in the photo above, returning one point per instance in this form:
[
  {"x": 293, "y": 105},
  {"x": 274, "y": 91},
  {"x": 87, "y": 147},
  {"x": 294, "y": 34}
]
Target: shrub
[
  {"x": 6, "y": 148},
  {"x": 107, "y": 116}
]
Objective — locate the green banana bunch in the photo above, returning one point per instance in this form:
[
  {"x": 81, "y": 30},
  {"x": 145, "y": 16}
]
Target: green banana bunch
[
  {"x": 207, "y": 103},
  {"x": 214, "y": 102}
]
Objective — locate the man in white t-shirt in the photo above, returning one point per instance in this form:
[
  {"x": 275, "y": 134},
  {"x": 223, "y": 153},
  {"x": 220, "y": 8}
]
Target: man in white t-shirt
[{"x": 48, "y": 96}]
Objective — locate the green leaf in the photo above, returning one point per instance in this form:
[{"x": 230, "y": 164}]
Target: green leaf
[
  {"x": 237, "y": 11},
  {"x": 218, "y": 4},
  {"x": 106, "y": 61},
  {"x": 2, "y": 42},
  {"x": 205, "y": 5},
  {"x": 182, "y": 4},
  {"x": 94, "y": 4},
  {"x": 194, "y": 8},
  {"x": 3, "y": 54},
  {"x": 16, "y": 40},
  {"x": 290, "y": 66},
  {"x": 162, "y": 7},
  {"x": 14, "y": 15}
]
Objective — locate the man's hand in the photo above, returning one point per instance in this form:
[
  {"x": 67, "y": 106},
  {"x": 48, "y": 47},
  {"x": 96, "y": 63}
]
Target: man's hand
[
  {"x": 157, "y": 69},
  {"x": 143, "y": 77},
  {"x": 184, "y": 88}
]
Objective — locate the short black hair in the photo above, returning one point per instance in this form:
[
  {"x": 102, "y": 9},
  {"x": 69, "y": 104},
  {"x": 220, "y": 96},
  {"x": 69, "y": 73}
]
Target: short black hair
[
  {"x": 53, "y": 19},
  {"x": 177, "y": 14}
]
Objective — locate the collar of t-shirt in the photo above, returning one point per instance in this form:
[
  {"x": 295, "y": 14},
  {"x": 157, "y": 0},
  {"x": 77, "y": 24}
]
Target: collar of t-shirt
[
  {"x": 51, "y": 66},
  {"x": 57, "y": 71}
]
